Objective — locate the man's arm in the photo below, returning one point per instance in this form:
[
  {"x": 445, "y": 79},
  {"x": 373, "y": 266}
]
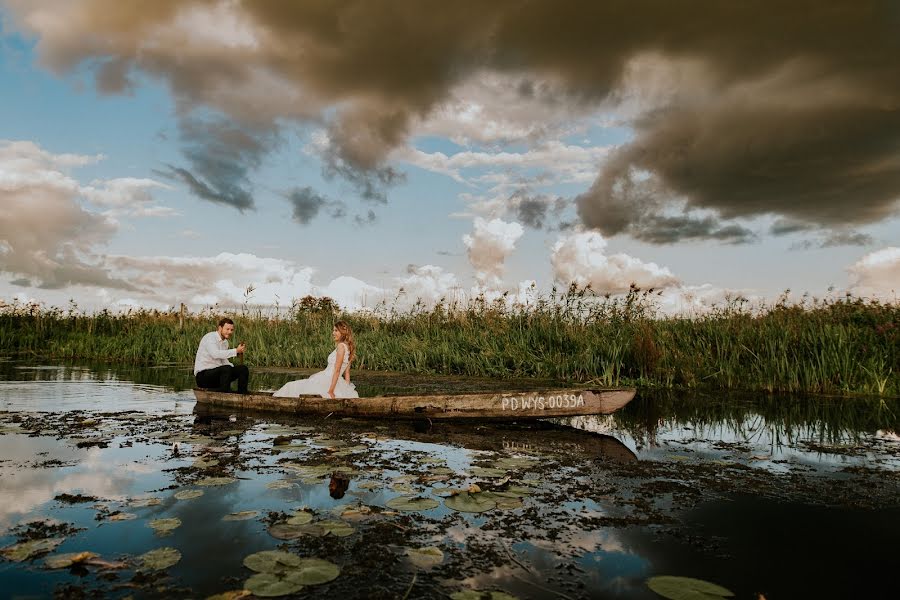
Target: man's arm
[{"x": 208, "y": 345}]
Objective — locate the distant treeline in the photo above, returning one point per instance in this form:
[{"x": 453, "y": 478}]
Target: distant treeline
[{"x": 847, "y": 345}]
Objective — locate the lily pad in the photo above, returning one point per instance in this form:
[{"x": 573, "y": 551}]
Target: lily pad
[
  {"x": 687, "y": 588},
  {"x": 336, "y": 528},
  {"x": 404, "y": 479},
  {"x": 164, "y": 526},
  {"x": 203, "y": 463},
  {"x": 515, "y": 463},
  {"x": 160, "y": 559},
  {"x": 270, "y": 585},
  {"x": 144, "y": 502},
  {"x": 479, "y": 595},
  {"x": 301, "y": 517},
  {"x": 442, "y": 471},
  {"x": 412, "y": 504},
  {"x": 504, "y": 503},
  {"x": 272, "y": 561},
  {"x": 188, "y": 494},
  {"x": 232, "y": 595},
  {"x": 466, "y": 502},
  {"x": 513, "y": 491},
  {"x": 122, "y": 516},
  {"x": 309, "y": 471},
  {"x": 64, "y": 561},
  {"x": 280, "y": 484},
  {"x": 445, "y": 492},
  {"x": 326, "y": 443},
  {"x": 244, "y": 515},
  {"x": 488, "y": 473},
  {"x": 403, "y": 488},
  {"x": 368, "y": 485},
  {"x": 315, "y": 571},
  {"x": 212, "y": 481},
  {"x": 288, "y": 531},
  {"x": 425, "y": 558},
  {"x": 26, "y": 550}
]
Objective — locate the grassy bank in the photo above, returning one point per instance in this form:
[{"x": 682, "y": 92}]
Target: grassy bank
[{"x": 842, "y": 346}]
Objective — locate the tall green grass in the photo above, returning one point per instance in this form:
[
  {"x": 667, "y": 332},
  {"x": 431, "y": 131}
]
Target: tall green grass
[{"x": 841, "y": 346}]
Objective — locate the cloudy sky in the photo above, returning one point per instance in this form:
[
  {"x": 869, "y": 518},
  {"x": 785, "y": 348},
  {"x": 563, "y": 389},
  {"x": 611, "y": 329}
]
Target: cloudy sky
[{"x": 181, "y": 151}]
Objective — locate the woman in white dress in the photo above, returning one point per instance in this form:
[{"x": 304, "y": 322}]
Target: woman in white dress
[{"x": 334, "y": 381}]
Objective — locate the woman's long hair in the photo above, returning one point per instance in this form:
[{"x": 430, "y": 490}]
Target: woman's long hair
[{"x": 343, "y": 328}]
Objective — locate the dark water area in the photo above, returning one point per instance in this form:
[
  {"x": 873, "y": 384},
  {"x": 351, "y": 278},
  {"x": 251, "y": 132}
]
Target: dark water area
[{"x": 780, "y": 496}]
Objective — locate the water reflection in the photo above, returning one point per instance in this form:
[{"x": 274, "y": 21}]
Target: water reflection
[{"x": 594, "y": 505}]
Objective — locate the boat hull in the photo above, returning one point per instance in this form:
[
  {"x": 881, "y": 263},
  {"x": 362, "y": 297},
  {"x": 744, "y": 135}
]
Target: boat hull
[{"x": 492, "y": 405}]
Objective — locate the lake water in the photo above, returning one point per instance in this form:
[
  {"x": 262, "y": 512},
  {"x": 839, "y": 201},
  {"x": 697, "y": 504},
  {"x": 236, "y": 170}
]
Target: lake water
[{"x": 779, "y": 496}]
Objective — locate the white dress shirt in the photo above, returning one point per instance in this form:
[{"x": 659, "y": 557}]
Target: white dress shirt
[{"x": 213, "y": 352}]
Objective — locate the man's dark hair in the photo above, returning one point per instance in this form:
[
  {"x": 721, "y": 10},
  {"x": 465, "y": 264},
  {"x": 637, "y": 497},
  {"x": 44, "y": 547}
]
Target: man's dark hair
[{"x": 225, "y": 320}]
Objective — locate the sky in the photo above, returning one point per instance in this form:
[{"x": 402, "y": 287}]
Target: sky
[{"x": 187, "y": 151}]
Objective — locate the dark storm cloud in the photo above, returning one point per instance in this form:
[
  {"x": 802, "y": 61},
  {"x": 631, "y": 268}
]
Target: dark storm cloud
[
  {"x": 221, "y": 154},
  {"x": 760, "y": 108},
  {"x": 307, "y": 204},
  {"x": 537, "y": 211}
]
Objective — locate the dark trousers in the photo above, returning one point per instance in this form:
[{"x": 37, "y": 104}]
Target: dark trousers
[{"x": 220, "y": 378}]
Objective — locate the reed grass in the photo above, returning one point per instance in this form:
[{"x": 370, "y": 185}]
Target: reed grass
[{"x": 837, "y": 346}]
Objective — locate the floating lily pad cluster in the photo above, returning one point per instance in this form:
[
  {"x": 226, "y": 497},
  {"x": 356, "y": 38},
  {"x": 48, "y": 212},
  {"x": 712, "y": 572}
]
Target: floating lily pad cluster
[
  {"x": 281, "y": 573},
  {"x": 687, "y": 588}
]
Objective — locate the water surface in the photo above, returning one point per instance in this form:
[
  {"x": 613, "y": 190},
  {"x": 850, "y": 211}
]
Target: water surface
[{"x": 786, "y": 497}]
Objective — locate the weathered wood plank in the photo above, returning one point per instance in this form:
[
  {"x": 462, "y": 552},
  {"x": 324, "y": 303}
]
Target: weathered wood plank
[{"x": 491, "y": 405}]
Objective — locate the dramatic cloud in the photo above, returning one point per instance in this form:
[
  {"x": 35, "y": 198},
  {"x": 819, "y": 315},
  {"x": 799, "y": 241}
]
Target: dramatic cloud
[
  {"x": 877, "y": 274},
  {"x": 581, "y": 258},
  {"x": 307, "y": 203},
  {"x": 742, "y": 109},
  {"x": 488, "y": 247},
  {"x": 46, "y": 237},
  {"x": 221, "y": 155},
  {"x": 127, "y": 196}
]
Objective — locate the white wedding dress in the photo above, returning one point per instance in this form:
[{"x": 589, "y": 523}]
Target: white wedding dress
[{"x": 318, "y": 384}]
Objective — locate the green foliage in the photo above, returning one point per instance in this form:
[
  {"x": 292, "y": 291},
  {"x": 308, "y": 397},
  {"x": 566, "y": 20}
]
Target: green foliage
[{"x": 841, "y": 346}]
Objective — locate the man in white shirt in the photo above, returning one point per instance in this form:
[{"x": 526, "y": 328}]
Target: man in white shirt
[{"x": 211, "y": 367}]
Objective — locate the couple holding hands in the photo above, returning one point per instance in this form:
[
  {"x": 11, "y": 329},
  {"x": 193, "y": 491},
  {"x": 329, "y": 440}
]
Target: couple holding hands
[{"x": 212, "y": 368}]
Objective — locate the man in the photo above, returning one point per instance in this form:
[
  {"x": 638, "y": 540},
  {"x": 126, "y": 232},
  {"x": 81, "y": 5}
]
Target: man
[{"x": 211, "y": 367}]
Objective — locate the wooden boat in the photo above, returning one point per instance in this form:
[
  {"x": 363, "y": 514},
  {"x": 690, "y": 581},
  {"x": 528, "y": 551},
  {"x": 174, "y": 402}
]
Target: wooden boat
[{"x": 488, "y": 405}]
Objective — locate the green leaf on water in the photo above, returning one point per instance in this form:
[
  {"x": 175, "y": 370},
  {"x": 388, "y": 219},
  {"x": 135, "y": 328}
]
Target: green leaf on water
[
  {"x": 301, "y": 517},
  {"x": 336, "y": 528},
  {"x": 64, "y": 561},
  {"x": 202, "y": 463},
  {"x": 287, "y": 531},
  {"x": 270, "y": 585},
  {"x": 426, "y": 557},
  {"x": 143, "y": 502},
  {"x": 404, "y": 479},
  {"x": 160, "y": 559},
  {"x": 488, "y": 473},
  {"x": 368, "y": 485},
  {"x": 514, "y": 491},
  {"x": 687, "y": 588},
  {"x": 444, "y": 492},
  {"x": 244, "y": 515},
  {"x": 403, "y": 488},
  {"x": 515, "y": 463},
  {"x": 466, "y": 502},
  {"x": 280, "y": 484},
  {"x": 272, "y": 561},
  {"x": 326, "y": 443},
  {"x": 188, "y": 494},
  {"x": 315, "y": 571},
  {"x": 503, "y": 503},
  {"x": 406, "y": 503},
  {"x": 164, "y": 526},
  {"x": 442, "y": 471},
  {"x": 26, "y": 550},
  {"x": 479, "y": 595},
  {"x": 123, "y": 516},
  {"x": 211, "y": 481}
]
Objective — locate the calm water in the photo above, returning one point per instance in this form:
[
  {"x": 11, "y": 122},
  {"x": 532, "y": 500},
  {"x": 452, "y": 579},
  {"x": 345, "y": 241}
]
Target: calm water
[{"x": 786, "y": 497}]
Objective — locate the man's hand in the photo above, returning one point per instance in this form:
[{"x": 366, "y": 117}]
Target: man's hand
[{"x": 240, "y": 349}]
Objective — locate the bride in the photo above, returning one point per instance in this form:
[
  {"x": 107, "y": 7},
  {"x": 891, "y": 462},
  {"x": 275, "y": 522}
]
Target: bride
[{"x": 334, "y": 381}]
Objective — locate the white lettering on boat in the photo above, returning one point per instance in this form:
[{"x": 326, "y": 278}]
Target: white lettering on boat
[{"x": 541, "y": 402}]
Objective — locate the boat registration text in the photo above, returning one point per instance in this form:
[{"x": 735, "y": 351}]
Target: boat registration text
[{"x": 542, "y": 402}]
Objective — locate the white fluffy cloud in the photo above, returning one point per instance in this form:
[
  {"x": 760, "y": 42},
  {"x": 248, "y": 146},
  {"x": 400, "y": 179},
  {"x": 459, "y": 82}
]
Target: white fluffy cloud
[
  {"x": 48, "y": 237},
  {"x": 581, "y": 258},
  {"x": 877, "y": 274},
  {"x": 488, "y": 247},
  {"x": 429, "y": 283}
]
